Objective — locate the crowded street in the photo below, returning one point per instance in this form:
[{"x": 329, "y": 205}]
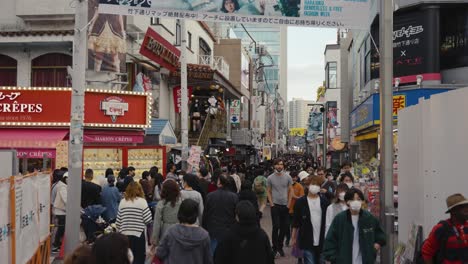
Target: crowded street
[{"x": 233, "y": 132}]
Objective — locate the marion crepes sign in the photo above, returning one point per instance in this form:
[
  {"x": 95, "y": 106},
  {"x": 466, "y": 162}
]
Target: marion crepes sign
[
  {"x": 159, "y": 50},
  {"x": 29, "y": 106}
]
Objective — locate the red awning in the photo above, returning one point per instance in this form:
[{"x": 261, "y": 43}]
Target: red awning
[{"x": 31, "y": 138}]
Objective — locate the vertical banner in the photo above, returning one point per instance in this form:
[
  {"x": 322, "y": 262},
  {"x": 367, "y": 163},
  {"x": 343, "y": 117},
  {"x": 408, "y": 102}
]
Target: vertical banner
[
  {"x": 194, "y": 159},
  {"x": 235, "y": 111},
  {"x": 43, "y": 185},
  {"x": 107, "y": 45},
  {"x": 27, "y": 219},
  {"x": 177, "y": 93},
  {"x": 5, "y": 224}
]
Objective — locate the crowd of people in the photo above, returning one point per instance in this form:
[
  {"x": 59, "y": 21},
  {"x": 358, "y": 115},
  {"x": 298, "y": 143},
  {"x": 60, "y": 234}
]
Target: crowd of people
[{"x": 214, "y": 217}]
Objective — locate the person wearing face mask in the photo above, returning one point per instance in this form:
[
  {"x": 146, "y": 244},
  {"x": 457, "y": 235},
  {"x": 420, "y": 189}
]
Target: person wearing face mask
[
  {"x": 309, "y": 221},
  {"x": 355, "y": 235},
  {"x": 348, "y": 179},
  {"x": 338, "y": 206},
  {"x": 448, "y": 241},
  {"x": 328, "y": 187}
]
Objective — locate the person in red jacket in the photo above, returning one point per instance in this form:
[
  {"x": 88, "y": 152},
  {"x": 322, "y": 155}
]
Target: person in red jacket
[{"x": 448, "y": 241}]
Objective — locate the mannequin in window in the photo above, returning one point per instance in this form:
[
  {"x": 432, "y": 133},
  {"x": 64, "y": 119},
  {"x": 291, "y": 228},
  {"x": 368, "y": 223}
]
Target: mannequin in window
[
  {"x": 213, "y": 107},
  {"x": 196, "y": 116}
]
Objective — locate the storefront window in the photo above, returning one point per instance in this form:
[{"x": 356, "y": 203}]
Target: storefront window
[
  {"x": 50, "y": 70},
  {"x": 8, "y": 71},
  {"x": 204, "y": 48},
  {"x": 453, "y": 37}
]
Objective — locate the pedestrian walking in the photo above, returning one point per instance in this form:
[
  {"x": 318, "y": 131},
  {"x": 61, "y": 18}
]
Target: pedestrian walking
[
  {"x": 237, "y": 179},
  {"x": 328, "y": 187},
  {"x": 219, "y": 214},
  {"x": 132, "y": 218},
  {"x": 245, "y": 242},
  {"x": 204, "y": 180},
  {"x": 246, "y": 194},
  {"x": 279, "y": 191},
  {"x": 213, "y": 186},
  {"x": 338, "y": 206},
  {"x": 172, "y": 168},
  {"x": 166, "y": 211},
  {"x": 448, "y": 241},
  {"x": 355, "y": 235},
  {"x": 309, "y": 221},
  {"x": 110, "y": 198},
  {"x": 60, "y": 210},
  {"x": 147, "y": 186},
  {"x": 157, "y": 179},
  {"x": 190, "y": 182},
  {"x": 260, "y": 189},
  {"x": 298, "y": 192},
  {"x": 348, "y": 179},
  {"x": 129, "y": 178},
  {"x": 185, "y": 242},
  {"x": 90, "y": 192},
  {"x": 112, "y": 248}
]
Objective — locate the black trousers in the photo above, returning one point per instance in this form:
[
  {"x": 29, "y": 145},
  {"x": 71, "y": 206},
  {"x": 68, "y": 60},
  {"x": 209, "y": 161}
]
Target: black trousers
[
  {"x": 138, "y": 247},
  {"x": 280, "y": 222},
  {"x": 60, "y": 230}
]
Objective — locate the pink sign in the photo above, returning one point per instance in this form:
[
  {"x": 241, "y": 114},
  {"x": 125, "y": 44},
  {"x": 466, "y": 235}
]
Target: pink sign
[
  {"x": 126, "y": 139},
  {"x": 35, "y": 153}
]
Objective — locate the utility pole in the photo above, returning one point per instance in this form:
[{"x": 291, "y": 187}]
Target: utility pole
[
  {"x": 386, "y": 127},
  {"x": 184, "y": 94},
  {"x": 75, "y": 151}
]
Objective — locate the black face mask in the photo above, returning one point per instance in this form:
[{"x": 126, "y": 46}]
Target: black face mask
[{"x": 460, "y": 216}]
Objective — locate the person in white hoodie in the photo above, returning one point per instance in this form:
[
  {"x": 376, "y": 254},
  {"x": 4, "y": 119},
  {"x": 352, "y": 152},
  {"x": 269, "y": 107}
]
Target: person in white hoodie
[{"x": 59, "y": 210}]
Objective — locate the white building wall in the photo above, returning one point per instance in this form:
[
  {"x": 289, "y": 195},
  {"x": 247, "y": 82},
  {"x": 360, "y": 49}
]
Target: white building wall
[{"x": 299, "y": 113}]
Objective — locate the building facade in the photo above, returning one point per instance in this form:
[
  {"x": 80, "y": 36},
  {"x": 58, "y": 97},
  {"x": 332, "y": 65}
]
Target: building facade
[{"x": 299, "y": 112}]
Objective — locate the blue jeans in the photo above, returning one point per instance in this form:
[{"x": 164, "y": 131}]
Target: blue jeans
[
  {"x": 213, "y": 245},
  {"x": 312, "y": 256}
]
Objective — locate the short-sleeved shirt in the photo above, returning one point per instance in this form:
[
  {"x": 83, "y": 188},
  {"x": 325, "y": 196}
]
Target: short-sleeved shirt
[{"x": 279, "y": 184}]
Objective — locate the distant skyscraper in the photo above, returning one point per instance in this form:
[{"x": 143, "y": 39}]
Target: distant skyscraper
[{"x": 299, "y": 113}]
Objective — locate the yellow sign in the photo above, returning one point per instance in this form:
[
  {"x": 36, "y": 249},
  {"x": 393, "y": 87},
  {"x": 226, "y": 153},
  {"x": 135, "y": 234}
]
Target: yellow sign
[
  {"x": 399, "y": 102},
  {"x": 297, "y": 132}
]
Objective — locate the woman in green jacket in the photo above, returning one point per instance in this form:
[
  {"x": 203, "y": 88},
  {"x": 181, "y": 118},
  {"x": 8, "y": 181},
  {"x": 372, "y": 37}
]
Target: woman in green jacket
[{"x": 355, "y": 235}]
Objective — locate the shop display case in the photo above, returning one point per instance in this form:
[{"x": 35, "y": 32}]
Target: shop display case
[
  {"x": 145, "y": 158},
  {"x": 100, "y": 159}
]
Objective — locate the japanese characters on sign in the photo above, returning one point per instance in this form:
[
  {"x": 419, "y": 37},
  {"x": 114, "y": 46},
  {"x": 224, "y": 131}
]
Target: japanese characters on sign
[
  {"x": 310, "y": 13},
  {"x": 399, "y": 102},
  {"x": 177, "y": 93},
  {"x": 235, "y": 111}
]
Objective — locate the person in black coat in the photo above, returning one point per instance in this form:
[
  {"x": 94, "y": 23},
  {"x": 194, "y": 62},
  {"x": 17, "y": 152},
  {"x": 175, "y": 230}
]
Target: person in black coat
[
  {"x": 247, "y": 194},
  {"x": 245, "y": 242}
]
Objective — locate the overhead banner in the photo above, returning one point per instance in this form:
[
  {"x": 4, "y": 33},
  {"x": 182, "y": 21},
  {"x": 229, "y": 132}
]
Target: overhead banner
[
  {"x": 325, "y": 13},
  {"x": 5, "y": 224}
]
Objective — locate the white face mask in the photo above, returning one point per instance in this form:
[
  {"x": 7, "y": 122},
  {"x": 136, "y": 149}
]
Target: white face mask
[
  {"x": 350, "y": 185},
  {"x": 130, "y": 255},
  {"x": 314, "y": 189},
  {"x": 355, "y": 205},
  {"x": 330, "y": 178},
  {"x": 341, "y": 196}
]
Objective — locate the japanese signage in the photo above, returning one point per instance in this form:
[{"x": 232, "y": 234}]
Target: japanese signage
[
  {"x": 5, "y": 224},
  {"x": 399, "y": 102},
  {"x": 297, "y": 132},
  {"x": 310, "y": 13},
  {"x": 107, "y": 46},
  {"x": 23, "y": 106},
  {"x": 159, "y": 50},
  {"x": 235, "y": 111},
  {"x": 177, "y": 93}
]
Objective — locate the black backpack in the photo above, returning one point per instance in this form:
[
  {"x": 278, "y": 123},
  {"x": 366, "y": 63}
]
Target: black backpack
[{"x": 440, "y": 255}]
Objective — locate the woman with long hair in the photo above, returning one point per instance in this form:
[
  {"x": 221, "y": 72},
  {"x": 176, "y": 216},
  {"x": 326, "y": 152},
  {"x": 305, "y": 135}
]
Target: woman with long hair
[
  {"x": 166, "y": 211},
  {"x": 133, "y": 217},
  {"x": 338, "y": 206},
  {"x": 112, "y": 248}
]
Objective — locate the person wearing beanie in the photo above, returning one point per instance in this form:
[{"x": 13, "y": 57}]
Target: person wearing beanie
[
  {"x": 110, "y": 197},
  {"x": 245, "y": 242}
]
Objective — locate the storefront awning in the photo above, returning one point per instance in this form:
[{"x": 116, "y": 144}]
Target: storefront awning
[
  {"x": 366, "y": 136},
  {"x": 31, "y": 138}
]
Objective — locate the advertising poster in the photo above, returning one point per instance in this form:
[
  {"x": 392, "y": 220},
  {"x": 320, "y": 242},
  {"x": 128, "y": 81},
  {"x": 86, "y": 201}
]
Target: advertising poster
[
  {"x": 310, "y": 13},
  {"x": 106, "y": 40},
  {"x": 5, "y": 225},
  {"x": 27, "y": 219},
  {"x": 194, "y": 159},
  {"x": 43, "y": 184}
]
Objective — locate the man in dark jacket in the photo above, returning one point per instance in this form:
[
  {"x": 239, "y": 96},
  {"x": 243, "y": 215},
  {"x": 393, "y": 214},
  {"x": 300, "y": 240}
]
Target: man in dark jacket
[
  {"x": 219, "y": 214},
  {"x": 90, "y": 192},
  {"x": 246, "y": 242},
  {"x": 355, "y": 235},
  {"x": 309, "y": 221}
]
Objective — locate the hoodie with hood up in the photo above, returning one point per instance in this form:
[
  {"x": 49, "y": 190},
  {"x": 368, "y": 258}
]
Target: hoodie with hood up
[{"x": 185, "y": 244}]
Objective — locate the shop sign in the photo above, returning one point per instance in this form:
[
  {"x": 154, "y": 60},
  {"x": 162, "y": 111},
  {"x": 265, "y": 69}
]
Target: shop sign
[
  {"x": 50, "y": 106},
  {"x": 191, "y": 74},
  {"x": 177, "y": 93},
  {"x": 363, "y": 116},
  {"x": 36, "y": 153},
  {"x": 235, "y": 111},
  {"x": 159, "y": 50},
  {"x": 112, "y": 139},
  {"x": 399, "y": 102}
]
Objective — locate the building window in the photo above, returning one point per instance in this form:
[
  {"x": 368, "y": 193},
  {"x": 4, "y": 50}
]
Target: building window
[
  {"x": 204, "y": 48},
  {"x": 331, "y": 72},
  {"x": 155, "y": 21},
  {"x": 365, "y": 53},
  {"x": 8, "y": 71},
  {"x": 189, "y": 40},
  {"x": 50, "y": 70},
  {"x": 178, "y": 33}
]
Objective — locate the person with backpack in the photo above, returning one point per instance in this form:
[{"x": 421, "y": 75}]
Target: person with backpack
[
  {"x": 448, "y": 241},
  {"x": 259, "y": 187}
]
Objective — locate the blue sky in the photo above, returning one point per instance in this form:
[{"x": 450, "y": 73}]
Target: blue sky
[{"x": 306, "y": 60}]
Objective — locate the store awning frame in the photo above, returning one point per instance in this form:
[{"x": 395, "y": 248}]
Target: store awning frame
[{"x": 31, "y": 138}]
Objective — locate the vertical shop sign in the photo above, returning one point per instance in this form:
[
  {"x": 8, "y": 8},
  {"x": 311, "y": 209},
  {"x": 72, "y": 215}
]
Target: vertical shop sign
[
  {"x": 235, "y": 112},
  {"x": 178, "y": 97}
]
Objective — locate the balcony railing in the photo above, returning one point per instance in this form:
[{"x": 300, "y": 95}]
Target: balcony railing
[{"x": 216, "y": 63}]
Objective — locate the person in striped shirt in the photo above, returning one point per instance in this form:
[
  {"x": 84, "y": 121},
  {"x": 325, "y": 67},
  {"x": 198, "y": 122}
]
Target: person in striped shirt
[{"x": 132, "y": 218}]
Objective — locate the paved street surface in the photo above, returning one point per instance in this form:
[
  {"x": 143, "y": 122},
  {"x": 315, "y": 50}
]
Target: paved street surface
[{"x": 266, "y": 225}]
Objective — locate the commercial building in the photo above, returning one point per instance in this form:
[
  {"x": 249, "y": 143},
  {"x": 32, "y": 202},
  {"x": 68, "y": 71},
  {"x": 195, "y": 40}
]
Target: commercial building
[{"x": 299, "y": 112}]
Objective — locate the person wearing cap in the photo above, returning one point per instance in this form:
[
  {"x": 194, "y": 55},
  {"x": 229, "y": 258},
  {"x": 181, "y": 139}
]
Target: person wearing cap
[
  {"x": 110, "y": 198},
  {"x": 302, "y": 176},
  {"x": 448, "y": 241}
]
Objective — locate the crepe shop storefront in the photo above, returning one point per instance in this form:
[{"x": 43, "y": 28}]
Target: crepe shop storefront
[{"x": 35, "y": 122}]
